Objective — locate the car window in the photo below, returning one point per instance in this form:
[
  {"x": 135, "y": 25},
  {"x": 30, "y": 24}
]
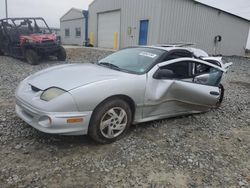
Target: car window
[
  {"x": 190, "y": 71},
  {"x": 177, "y": 54},
  {"x": 134, "y": 60},
  {"x": 206, "y": 75},
  {"x": 214, "y": 62},
  {"x": 181, "y": 70},
  {"x": 31, "y": 26}
]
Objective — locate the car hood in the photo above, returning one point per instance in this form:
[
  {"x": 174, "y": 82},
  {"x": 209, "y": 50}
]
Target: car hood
[{"x": 72, "y": 76}]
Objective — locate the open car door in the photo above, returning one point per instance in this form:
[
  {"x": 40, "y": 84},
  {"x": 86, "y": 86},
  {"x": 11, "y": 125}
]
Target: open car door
[{"x": 182, "y": 86}]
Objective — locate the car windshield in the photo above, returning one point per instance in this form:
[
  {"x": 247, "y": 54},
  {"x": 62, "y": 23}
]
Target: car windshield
[
  {"x": 32, "y": 26},
  {"x": 132, "y": 60}
]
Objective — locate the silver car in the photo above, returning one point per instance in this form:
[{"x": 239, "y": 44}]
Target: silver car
[{"x": 131, "y": 86}]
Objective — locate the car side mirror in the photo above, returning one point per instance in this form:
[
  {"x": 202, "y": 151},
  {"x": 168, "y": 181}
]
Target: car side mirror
[{"x": 164, "y": 74}]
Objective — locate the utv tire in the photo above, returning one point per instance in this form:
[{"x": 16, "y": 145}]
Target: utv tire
[
  {"x": 32, "y": 57},
  {"x": 1, "y": 53},
  {"x": 110, "y": 121},
  {"x": 222, "y": 90},
  {"x": 61, "y": 54}
]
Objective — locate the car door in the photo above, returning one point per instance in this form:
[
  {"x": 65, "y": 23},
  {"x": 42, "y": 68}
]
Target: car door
[{"x": 188, "y": 86}]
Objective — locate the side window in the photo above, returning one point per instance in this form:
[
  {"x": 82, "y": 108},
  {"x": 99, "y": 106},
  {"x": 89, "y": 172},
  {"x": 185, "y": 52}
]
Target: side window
[
  {"x": 67, "y": 33},
  {"x": 190, "y": 71},
  {"x": 78, "y": 32},
  {"x": 178, "y": 54},
  {"x": 178, "y": 71},
  {"x": 206, "y": 75},
  {"x": 214, "y": 62}
]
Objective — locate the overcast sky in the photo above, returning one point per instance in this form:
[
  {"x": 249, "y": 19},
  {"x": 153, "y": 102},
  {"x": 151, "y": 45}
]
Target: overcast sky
[
  {"x": 238, "y": 7},
  {"x": 52, "y": 10}
]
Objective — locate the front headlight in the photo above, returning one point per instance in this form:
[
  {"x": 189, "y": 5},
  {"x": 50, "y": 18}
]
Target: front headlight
[{"x": 51, "y": 93}]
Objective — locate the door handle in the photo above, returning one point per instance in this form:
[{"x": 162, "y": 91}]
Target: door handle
[{"x": 214, "y": 93}]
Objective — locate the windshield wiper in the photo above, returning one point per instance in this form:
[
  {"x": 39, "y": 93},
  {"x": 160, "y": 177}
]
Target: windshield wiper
[{"x": 110, "y": 65}]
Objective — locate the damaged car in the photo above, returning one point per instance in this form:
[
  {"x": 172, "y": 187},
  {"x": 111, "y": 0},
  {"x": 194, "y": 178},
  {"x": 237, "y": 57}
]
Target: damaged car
[{"x": 131, "y": 86}]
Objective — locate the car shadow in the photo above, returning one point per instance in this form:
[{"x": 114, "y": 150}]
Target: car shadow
[
  {"x": 60, "y": 143},
  {"x": 64, "y": 142}
]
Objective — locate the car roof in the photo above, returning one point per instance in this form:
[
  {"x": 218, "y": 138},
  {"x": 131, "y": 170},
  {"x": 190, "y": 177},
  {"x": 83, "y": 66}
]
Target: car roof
[
  {"x": 21, "y": 18},
  {"x": 197, "y": 52}
]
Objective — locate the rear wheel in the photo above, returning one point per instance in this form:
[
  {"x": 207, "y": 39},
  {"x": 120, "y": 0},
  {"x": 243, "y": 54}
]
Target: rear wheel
[
  {"x": 61, "y": 54},
  {"x": 221, "y": 90},
  {"x": 32, "y": 57},
  {"x": 110, "y": 121}
]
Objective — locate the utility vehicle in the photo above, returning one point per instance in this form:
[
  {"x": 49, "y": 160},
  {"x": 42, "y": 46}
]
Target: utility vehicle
[{"x": 30, "y": 39}]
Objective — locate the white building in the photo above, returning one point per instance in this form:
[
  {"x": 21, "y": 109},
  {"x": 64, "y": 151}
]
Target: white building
[{"x": 72, "y": 27}]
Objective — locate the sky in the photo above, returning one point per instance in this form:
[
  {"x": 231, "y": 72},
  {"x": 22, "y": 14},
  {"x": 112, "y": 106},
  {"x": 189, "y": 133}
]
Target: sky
[
  {"x": 52, "y": 10},
  {"x": 238, "y": 7}
]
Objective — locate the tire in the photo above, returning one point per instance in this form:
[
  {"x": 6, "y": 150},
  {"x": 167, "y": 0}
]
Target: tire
[
  {"x": 1, "y": 53},
  {"x": 222, "y": 91},
  {"x": 61, "y": 54},
  {"x": 110, "y": 111},
  {"x": 31, "y": 57}
]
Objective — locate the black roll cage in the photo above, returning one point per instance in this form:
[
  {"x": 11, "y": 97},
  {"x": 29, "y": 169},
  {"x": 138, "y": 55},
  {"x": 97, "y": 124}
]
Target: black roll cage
[{"x": 5, "y": 20}]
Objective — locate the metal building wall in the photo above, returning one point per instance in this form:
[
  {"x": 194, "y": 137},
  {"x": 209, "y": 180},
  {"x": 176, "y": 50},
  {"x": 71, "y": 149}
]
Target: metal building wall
[
  {"x": 72, "y": 25},
  {"x": 187, "y": 21},
  {"x": 175, "y": 21},
  {"x": 71, "y": 20},
  {"x": 132, "y": 11}
]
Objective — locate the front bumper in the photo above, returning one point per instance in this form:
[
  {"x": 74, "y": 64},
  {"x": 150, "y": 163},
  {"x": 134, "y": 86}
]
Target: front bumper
[
  {"x": 53, "y": 122},
  {"x": 45, "y": 48}
]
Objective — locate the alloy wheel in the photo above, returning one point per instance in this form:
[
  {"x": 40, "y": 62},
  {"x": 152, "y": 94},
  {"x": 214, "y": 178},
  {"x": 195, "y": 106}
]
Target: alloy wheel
[{"x": 113, "y": 122}]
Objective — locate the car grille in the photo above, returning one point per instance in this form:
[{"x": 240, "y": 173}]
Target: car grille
[
  {"x": 47, "y": 41},
  {"x": 35, "y": 89},
  {"x": 27, "y": 114},
  {"x": 50, "y": 44}
]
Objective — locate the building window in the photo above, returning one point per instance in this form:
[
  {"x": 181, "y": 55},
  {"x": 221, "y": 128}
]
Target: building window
[
  {"x": 67, "y": 32},
  {"x": 78, "y": 32}
]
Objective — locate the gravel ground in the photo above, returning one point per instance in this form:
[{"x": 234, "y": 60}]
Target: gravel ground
[{"x": 205, "y": 150}]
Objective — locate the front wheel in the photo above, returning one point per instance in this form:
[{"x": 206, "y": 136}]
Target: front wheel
[
  {"x": 32, "y": 57},
  {"x": 61, "y": 54},
  {"x": 110, "y": 121},
  {"x": 221, "y": 90}
]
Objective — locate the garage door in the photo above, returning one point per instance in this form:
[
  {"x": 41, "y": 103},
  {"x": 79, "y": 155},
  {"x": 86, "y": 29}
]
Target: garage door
[{"x": 108, "y": 27}]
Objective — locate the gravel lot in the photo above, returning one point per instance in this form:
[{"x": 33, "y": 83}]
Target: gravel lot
[{"x": 204, "y": 150}]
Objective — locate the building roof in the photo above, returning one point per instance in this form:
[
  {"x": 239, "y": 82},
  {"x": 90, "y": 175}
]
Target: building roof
[
  {"x": 212, "y": 6},
  {"x": 208, "y": 5},
  {"x": 79, "y": 14}
]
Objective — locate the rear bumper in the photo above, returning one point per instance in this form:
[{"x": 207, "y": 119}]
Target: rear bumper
[{"x": 53, "y": 122}]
